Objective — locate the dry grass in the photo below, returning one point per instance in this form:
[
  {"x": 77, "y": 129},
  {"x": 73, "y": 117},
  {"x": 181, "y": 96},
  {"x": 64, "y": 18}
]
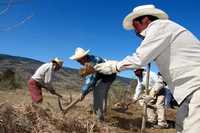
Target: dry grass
[
  {"x": 17, "y": 115},
  {"x": 29, "y": 119}
]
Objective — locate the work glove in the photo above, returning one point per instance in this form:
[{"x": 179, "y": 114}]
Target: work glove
[
  {"x": 108, "y": 67},
  {"x": 153, "y": 93},
  {"x": 86, "y": 70}
]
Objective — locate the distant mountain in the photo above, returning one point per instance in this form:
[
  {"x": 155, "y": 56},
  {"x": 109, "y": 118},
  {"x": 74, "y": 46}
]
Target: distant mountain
[{"x": 15, "y": 72}]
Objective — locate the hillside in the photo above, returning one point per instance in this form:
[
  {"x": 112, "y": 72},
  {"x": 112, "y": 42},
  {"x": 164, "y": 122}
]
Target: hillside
[{"x": 15, "y": 72}]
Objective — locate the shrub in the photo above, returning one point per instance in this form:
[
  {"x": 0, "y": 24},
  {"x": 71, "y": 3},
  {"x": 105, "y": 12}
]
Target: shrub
[{"x": 9, "y": 80}]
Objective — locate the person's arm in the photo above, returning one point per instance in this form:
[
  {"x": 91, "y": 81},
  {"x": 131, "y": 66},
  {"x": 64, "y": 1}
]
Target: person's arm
[
  {"x": 138, "y": 89},
  {"x": 156, "y": 40},
  {"x": 89, "y": 82}
]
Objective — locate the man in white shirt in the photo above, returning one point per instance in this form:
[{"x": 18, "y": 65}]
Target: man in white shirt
[
  {"x": 43, "y": 79},
  {"x": 141, "y": 81},
  {"x": 156, "y": 111},
  {"x": 176, "y": 52}
]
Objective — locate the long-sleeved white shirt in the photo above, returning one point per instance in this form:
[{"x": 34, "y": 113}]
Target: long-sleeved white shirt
[
  {"x": 142, "y": 82},
  {"x": 159, "y": 84},
  {"x": 44, "y": 74},
  {"x": 176, "y": 52}
]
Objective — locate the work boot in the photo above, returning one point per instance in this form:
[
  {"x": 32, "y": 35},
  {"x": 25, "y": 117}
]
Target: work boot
[
  {"x": 161, "y": 126},
  {"x": 90, "y": 109},
  {"x": 151, "y": 124},
  {"x": 99, "y": 116}
]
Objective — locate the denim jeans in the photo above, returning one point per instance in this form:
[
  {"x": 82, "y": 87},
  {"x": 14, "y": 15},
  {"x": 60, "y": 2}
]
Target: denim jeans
[
  {"x": 168, "y": 98},
  {"x": 100, "y": 95}
]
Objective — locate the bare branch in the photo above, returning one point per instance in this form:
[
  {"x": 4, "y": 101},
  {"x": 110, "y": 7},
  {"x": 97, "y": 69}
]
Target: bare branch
[
  {"x": 17, "y": 24},
  {"x": 7, "y": 7}
]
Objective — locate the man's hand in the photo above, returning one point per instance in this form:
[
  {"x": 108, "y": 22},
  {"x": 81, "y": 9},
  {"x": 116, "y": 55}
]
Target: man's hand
[
  {"x": 153, "y": 93},
  {"x": 148, "y": 98},
  {"x": 134, "y": 100},
  {"x": 81, "y": 97},
  {"x": 51, "y": 90},
  {"x": 108, "y": 67}
]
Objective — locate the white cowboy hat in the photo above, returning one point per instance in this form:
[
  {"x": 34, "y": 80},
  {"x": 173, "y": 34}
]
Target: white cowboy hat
[
  {"x": 58, "y": 61},
  {"x": 141, "y": 11},
  {"x": 79, "y": 53}
]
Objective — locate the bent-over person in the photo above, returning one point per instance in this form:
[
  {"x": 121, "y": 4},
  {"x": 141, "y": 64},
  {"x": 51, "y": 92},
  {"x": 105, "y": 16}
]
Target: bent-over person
[{"x": 42, "y": 78}]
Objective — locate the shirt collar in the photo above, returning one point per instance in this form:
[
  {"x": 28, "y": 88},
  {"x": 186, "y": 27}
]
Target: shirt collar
[{"x": 143, "y": 33}]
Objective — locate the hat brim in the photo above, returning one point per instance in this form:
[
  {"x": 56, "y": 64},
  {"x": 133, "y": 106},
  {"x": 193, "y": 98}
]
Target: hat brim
[
  {"x": 60, "y": 63},
  {"x": 127, "y": 22},
  {"x": 76, "y": 57}
]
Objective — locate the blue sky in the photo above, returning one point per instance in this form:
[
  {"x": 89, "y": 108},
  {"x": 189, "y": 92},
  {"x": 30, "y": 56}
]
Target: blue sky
[{"x": 57, "y": 27}]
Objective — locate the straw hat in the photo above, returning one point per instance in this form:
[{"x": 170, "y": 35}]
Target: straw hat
[
  {"x": 141, "y": 11},
  {"x": 58, "y": 61},
  {"x": 79, "y": 53}
]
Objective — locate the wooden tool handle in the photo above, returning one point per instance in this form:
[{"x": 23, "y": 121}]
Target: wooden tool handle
[
  {"x": 71, "y": 105},
  {"x": 144, "y": 117}
]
